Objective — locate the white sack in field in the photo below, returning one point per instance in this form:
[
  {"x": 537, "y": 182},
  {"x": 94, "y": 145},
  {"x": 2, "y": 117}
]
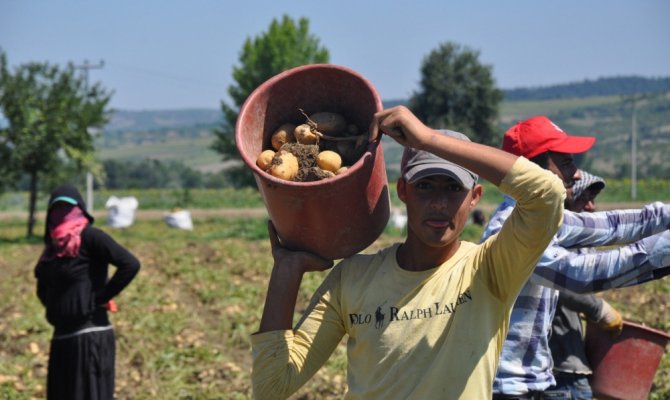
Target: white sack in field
[
  {"x": 121, "y": 211},
  {"x": 179, "y": 219}
]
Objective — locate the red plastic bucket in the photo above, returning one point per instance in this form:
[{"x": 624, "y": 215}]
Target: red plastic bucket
[
  {"x": 334, "y": 217},
  {"x": 624, "y": 366}
]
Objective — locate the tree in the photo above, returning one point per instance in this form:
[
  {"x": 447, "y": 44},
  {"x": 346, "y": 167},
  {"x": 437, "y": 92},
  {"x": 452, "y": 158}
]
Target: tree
[
  {"x": 284, "y": 46},
  {"x": 458, "y": 92},
  {"x": 49, "y": 113}
]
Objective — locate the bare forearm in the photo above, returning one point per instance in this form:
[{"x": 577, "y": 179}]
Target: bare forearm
[
  {"x": 405, "y": 128},
  {"x": 289, "y": 266},
  {"x": 488, "y": 162},
  {"x": 280, "y": 299}
]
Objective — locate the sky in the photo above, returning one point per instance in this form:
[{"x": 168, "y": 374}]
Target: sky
[{"x": 164, "y": 54}]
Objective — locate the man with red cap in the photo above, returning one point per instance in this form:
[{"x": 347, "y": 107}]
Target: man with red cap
[
  {"x": 538, "y": 135},
  {"x": 525, "y": 369}
]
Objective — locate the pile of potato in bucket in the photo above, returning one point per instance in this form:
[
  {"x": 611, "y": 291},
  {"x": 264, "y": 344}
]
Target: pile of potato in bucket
[{"x": 324, "y": 146}]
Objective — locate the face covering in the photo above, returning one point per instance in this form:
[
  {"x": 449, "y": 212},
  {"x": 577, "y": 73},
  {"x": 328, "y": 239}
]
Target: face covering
[{"x": 65, "y": 226}]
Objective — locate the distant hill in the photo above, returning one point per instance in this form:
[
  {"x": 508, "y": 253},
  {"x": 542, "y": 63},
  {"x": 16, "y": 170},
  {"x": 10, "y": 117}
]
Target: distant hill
[
  {"x": 592, "y": 107},
  {"x": 123, "y": 120},
  {"x": 616, "y": 86},
  {"x": 166, "y": 135}
]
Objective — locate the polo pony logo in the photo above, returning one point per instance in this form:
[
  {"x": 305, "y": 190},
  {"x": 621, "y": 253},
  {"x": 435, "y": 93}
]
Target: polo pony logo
[{"x": 379, "y": 318}]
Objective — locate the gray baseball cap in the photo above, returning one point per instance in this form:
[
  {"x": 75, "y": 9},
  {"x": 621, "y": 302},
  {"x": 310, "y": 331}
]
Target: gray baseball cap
[{"x": 417, "y": 164}]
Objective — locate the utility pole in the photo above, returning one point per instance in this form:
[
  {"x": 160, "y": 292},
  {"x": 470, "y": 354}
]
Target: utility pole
[
  {"x": 86, "y": 66},
  {"x": 633, "y": 152},
  {"x": 634, "y": 100}
]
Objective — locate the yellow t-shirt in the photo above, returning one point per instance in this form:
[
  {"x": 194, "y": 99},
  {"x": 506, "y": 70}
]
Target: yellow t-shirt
[{"x": 434, "y": 334}]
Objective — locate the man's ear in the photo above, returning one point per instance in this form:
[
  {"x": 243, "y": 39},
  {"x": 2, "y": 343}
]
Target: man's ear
[
  {"x": 477, "y": 193},
  {"x": 401, "y": 188}
]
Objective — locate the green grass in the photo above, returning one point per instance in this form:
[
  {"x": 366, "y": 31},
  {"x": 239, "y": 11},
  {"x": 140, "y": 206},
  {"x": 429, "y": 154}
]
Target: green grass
[
  {"x": 151, "y": 199},
  {"x": 526, "y": 109},
  {"x": 184, "y": 323},
  {"x": 618, "y": 190},
  {"x": 648, "y": 190}
]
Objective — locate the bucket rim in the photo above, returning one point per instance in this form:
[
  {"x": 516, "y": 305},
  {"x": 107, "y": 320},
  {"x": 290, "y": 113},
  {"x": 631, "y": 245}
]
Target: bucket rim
[
  {"x": 658, "y": 332},
  {"x": 371, "y": 151}
]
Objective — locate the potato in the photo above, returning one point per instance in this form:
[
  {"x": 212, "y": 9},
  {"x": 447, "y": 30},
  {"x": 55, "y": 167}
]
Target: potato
[
  {"x": 329, "y": 123},
  {"x": 341, "y": 170},
  {"x": 352, "y": 151},
  {"x": 264, "y": 159},
  {"x": 304, "y": 135},
  {"x": 284, "y": 134},
  {"x": 284, "y": 166},
  {"x": 329, "y": 161},
  {"x": 344, "y": 149}
]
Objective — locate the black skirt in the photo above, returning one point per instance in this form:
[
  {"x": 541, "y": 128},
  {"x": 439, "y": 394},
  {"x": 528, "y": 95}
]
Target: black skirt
[{"x": 81, "y": 365}]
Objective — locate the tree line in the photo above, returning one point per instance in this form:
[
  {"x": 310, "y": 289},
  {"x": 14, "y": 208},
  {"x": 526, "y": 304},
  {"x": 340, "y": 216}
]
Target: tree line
[
  {"x": 146, "y": 174},
  {"x": 156, "y": 174},
  {"x": 615, "y": 86}
]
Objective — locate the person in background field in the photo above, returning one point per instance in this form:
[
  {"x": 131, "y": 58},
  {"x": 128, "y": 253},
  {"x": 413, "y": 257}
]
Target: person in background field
[
  {"x": 525, "y": 369},
  {"x": 425, "y": 318},
  {"x": 584, "y": 192},
  {"x": 571, "y": 367},
  {"x": 73, "y": 286}
]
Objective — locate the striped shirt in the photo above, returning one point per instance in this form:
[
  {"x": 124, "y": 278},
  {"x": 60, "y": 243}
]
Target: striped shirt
[{"x": 526, "y": 363}]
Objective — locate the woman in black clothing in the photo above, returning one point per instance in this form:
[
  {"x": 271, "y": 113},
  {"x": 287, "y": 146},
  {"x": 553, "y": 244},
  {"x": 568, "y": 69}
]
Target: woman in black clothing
[{"x": 72, "y": 285}]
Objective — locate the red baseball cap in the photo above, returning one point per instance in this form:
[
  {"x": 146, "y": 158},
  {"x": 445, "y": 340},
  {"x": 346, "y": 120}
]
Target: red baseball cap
[{"x": 538, "y": 135}]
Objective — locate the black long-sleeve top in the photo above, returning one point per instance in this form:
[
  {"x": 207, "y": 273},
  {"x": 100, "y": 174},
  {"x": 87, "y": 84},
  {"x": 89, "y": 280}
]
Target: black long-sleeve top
[
  {"x": 566, "y": 341},
  {"x": 74, "y": 291}
]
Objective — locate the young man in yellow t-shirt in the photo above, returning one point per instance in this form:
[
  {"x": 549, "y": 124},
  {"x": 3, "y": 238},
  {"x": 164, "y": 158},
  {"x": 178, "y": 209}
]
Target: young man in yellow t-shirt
[{"x": 425, "y": 318}]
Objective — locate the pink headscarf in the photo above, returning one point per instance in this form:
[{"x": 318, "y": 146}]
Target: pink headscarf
[{"x": 65, "y": 226}]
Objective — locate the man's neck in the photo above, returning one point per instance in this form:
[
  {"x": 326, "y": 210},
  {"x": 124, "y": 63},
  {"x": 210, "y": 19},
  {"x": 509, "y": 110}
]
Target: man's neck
[{"x": 419, "y": 257}]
